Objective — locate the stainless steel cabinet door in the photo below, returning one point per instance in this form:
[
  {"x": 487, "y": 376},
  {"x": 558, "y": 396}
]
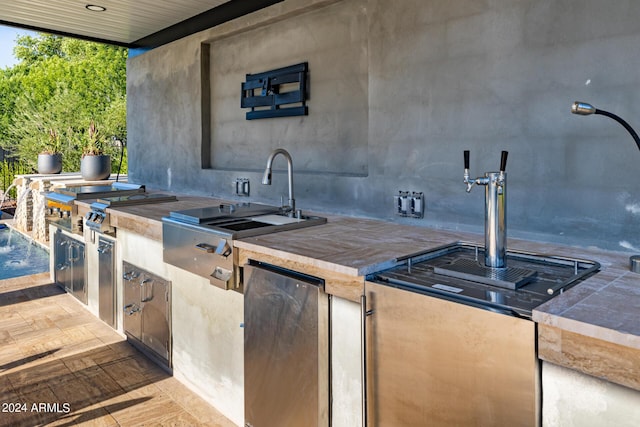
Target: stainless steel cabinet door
[
  {"x": 132, "y": 319},
  {"x": 62, "y": 266},
  {"x": 78, "y": 272},
  {"x": 147, "y": 313},
  {"x": 106, "y": 283},
  {"x": 432, "y": 362},
  {"x": 69, "y": 268},
  {"x": 156, "y": 332}
]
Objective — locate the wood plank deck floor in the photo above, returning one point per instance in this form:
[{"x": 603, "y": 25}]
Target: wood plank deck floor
[{"x": 61, "y": 366}]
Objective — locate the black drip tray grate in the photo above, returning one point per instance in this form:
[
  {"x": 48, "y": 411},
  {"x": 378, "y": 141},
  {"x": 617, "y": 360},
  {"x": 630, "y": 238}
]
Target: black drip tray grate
[{"x": 468, "y": 269}]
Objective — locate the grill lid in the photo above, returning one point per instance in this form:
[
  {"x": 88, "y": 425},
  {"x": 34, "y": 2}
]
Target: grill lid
[
  {"x": 60, "y": 198},
  {"x": 97, "y": 191}
]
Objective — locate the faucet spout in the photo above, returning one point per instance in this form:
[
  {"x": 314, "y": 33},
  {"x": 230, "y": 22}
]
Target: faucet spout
[{"x": 266, "y": 180}]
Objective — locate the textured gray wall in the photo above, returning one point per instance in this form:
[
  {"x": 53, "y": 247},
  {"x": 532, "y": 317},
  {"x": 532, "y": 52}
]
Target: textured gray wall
[{"x": 398, "y": 90}]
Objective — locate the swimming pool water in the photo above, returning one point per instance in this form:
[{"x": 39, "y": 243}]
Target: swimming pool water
[{"x": 20, "y": 257}]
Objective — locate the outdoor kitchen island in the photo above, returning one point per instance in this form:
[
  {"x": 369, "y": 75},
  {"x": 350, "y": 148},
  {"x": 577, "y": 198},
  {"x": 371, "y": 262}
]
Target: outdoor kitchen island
[{"x": 588, "y": 337}]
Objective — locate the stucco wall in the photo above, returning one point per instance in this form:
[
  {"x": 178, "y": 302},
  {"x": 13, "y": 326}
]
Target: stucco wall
[
  {"x": 572, "y": 399},
  {"x": 398, "y": 90}
]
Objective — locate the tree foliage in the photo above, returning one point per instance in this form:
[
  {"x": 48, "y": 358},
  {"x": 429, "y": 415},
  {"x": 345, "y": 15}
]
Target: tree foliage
[{"x": 61, "y": 86}]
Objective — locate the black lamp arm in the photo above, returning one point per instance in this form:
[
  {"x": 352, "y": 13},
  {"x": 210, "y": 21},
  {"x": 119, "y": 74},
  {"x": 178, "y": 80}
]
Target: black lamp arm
[{"x": 626, "y": 125}]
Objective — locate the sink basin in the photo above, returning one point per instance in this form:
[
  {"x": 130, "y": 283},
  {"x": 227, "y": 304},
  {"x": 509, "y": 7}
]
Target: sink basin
[
  {"x": 240, "y": 227},
  {"x": 279, "y": 219},
  {"x": 241, "y": 220}
]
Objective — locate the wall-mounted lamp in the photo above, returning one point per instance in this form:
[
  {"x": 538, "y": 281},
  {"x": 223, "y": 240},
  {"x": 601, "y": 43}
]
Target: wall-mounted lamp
[
  {"x": 95, "y": 8},
  {"x": 584, "y": 109}
]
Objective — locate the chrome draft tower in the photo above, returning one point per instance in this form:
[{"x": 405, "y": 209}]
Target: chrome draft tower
[{"x": 495, "y": 216}]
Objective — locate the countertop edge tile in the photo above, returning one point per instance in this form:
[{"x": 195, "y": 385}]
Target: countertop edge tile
[
  {"x": 587, "y": 329},
  {"x": 315, "y": 262}
]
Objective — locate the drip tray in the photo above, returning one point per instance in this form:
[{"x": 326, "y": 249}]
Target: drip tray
[{"x": 468, "y": 269}]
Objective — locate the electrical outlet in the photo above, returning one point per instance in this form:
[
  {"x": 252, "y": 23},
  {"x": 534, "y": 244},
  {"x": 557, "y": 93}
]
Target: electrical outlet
[
  {"x": 417, "y": 205},
  {"x": 402, "y": 203},
  {"x": 409, "y": 204},
  {"x": 242, "y": 187}
]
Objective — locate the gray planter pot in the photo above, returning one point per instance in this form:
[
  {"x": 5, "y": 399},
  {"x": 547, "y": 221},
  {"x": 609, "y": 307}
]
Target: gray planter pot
[
  {"x": 95, "y": 168},
  {"x": 49, "y": 163}
]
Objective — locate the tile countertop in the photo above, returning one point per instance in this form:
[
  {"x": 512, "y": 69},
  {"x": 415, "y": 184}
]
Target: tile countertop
[{"x": 604, "y": 308}]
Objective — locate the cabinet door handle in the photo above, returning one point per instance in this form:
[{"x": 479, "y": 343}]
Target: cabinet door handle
[
  {"x": 104, "y": 248},
  {"x": 130, "y": 275},
  {"x": 133, "y": 308},
  {"x": 144, "y": 297}
]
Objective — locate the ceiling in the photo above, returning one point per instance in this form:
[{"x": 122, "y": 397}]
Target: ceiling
[{"x": 130, "y": 23}]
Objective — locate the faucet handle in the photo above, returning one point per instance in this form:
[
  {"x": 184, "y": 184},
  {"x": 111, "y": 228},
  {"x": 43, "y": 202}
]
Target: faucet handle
[
  {"x": 466, "y": 159},
  {"x": 503, "y": 161}
]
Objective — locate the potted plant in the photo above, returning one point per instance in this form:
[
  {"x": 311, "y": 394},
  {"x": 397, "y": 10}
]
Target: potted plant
[
  {"x": 50, "y": 159},
  {"x": 94, "y": 164}
]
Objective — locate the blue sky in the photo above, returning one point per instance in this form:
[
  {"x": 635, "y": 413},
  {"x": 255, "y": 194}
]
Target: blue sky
[{"x": 7, "y": 42}]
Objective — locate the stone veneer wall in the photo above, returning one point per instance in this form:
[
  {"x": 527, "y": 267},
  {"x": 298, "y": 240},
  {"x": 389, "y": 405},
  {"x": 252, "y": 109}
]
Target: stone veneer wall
[
  {"x": 23, "y": 218},
  {"x": 40, "y": 228}
]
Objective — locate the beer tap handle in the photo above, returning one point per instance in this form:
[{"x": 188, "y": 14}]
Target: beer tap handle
[
  {"x": 466, "y": 178},
  {"x": 503, "y": 161}
]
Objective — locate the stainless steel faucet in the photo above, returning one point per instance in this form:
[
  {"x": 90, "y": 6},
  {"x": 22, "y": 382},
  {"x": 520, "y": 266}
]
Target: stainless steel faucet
[
  {"x": 266, "y": 180},
  {"x": 495, "y": 216}
]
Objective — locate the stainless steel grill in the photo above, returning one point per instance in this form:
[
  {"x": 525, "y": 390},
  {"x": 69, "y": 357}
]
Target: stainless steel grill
[{"x": 62, "y": 210}]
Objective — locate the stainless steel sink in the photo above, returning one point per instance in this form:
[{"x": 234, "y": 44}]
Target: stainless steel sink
[
  {"x": 242, "y": 220},
  {"x": 200, "y": 240},
  {"x": 263, "y": 224},
  {"x": 457, "y": 272}
]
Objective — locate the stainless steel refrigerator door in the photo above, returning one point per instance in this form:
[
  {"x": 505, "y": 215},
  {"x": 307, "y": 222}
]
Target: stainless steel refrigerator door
[
  {"x": 286, "y": 350},
  {"x": 106, "y": 282},
  {"x": 432, "y": 362}
]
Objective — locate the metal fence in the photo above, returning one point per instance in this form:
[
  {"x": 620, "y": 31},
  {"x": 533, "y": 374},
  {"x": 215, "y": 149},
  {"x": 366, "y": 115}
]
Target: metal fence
[{"x": 9, "y": 168}]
